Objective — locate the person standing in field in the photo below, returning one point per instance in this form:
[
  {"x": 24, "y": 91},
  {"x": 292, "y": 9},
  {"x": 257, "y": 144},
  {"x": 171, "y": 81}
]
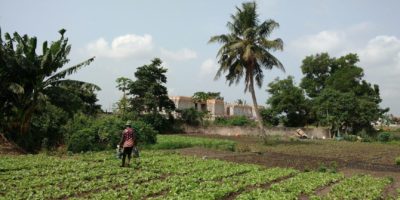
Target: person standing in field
[{"x": 127, "y": 142}]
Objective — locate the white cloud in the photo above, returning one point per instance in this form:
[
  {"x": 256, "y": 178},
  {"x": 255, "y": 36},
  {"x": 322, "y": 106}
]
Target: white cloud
[
  {"x": 334, "y": 42},
  {"x": 130, "y": 45},
  {"x": 382, "y": 50},
  {"x": 181, "y": 55},
  {"x": 324, "y": 41},
  {"x": 208, "y": 67},
  {"x": 381, "y": 61}
]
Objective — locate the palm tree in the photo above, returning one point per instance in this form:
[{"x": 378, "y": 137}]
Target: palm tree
[{"x": 245, "y": 51}]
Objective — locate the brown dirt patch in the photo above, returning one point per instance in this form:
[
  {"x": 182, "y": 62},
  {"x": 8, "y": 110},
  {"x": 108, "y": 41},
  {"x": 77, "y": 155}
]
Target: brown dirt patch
[
  {"x": 350, "y": 158},
  {"x": 8, "y": 148}
]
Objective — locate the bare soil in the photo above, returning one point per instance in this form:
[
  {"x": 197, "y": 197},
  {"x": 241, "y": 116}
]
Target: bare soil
[
  {"x": 349, "y": 158},
  {"x": 8, "y": 148}
]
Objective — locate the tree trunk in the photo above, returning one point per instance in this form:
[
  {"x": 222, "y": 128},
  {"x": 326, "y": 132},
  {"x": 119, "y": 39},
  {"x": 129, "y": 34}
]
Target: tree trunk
[{"x": 253, "y": 96}]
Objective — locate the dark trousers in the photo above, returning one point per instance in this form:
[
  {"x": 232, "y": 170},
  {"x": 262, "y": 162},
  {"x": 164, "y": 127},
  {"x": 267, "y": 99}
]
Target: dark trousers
[{"x": 127, "y": 152}]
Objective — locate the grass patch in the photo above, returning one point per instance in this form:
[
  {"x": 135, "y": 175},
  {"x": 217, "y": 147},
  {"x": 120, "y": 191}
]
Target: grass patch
[
  {"x": 178, "y": 142},
  {"x": 397, "y": 160}
]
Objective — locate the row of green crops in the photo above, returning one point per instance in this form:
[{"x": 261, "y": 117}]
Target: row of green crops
[
  {"x": 161, "y": 175},
  {"x": 177, "y": 141}
]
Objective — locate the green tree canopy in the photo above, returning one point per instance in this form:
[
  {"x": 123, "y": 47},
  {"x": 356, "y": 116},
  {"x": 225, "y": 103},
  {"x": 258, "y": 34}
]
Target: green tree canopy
[
  {"x": 246, "y": 50},
  {"x": 27, "y": 79},
  {"x": 204, "y": 96},
  {"x": 340, "y": 96},
  {"x": 288, "y": 101},
  {"x": 148, "y": 94}
]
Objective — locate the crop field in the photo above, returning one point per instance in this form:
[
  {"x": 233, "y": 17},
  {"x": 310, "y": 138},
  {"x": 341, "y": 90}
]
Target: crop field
[{"x": 165, "y": 175}]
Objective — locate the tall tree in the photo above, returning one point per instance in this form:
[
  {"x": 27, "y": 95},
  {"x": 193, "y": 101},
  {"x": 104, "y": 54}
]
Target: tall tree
[
  {"x": 289, "y": 102},
  {"x": 341, "y": 98},
  {"x": 149, "y": 95},
  {"x": 26, "y": 77},
  {"x": 245, "y": 51},
  {"x": 123, "y": 85}
]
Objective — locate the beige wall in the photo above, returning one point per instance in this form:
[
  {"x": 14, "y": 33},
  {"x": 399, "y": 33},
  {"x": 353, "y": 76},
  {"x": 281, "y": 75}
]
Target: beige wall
[{"x": 316, "y": 133}]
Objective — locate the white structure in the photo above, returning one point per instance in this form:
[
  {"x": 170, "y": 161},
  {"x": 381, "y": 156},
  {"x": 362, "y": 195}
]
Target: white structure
[{"x": 215, "y": 107}]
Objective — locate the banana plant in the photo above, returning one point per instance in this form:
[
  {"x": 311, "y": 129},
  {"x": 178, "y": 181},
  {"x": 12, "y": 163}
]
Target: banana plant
[{"x": 25, "y": 76}]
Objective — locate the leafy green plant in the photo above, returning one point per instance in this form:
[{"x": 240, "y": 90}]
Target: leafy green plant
[
  {"x": 385, "y": 137},
  {"x": 234, "y": 121},
  {"x": 94, "y": 134},
  {"x": 177, "y": 142},
  {"x": 351, "y": 138},
  {"x": 397, "y": 161}
]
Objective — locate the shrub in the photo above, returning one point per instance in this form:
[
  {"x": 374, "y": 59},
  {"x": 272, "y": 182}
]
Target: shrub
[
  {"x": 397, "y": 160},
  {"x": 82, "y": 140},
  {"x": 159, "y": 122},
  {"x": 95, "y": 134},
  {"x": 269, "y": 117},
  {"x": 384, "y": 137},
  {"x": 234, "y": 121},
  {"x": 365, "y": 136},
  {"x": 145, "y": 132},
  {"x": 192, "y": 116},
  {"x": 351, "y": 138}
]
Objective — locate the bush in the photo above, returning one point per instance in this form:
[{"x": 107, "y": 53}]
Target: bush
[
  {"x": 177, "y": 142},
  {"x": 45, "y": 132},
  {"x": 351, "y": 138},
  {"x": 191, "y": 116},
  {"x": 385, "y": 137},
  {"x": 234, "y": 121},
  {"x": 82, "y": 140},
  {"x": 397, "y": 160},
  {"x": 365, "y": 136},
  {"x": 269, "y": 117},
  {"x": 159, "y": 122},
  {"x": 145, "y": 132},
  {"x": 95, "y": 134}
]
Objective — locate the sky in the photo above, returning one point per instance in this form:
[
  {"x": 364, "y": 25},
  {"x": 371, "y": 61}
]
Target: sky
[{"x": 127, "y": 34}]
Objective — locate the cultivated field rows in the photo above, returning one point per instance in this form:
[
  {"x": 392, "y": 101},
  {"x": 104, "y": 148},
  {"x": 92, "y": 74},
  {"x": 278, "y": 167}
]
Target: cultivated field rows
[{"x": 161, "y": 175}]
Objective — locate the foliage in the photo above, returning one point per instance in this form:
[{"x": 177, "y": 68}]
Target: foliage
[
  {"x": 233, "y": 121},
  {"x": 45, "y": 131},
  {"x": 191, "y": 116},
  {"x": 340, "y": 97},
  {"x": 95, "y": 176},
  {"x": 177, "y": 142},
  {"x": 358, "y": 187},
  {"x": 123, "y": 104},
  {"x": 148, "y": 94},
  {"x": 160, "y": 123},
  {"x": 397, "y": 160},
  {"x": 204, "y": 96},
  {"x": 351, "y": 138},
  {"x": 246, "y": 50},
  {"x": 168, "y": 176},
  {"x": 385, "y": 137},
  {"x": 269, "y": 117},
  {"x": 94, "y": 134},
  {"x": 146, "y": 134},
  {"x": 288, "y": 102},
  {"x": 29, "y": 81},
  {"x": 303, "y": 183}
]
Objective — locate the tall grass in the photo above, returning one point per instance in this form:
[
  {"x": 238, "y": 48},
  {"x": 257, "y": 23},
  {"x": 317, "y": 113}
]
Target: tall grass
[{"x": 178, "y": 141}]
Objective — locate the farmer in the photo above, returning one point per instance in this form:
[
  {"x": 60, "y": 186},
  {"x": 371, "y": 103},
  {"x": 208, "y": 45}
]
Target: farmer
[{"x": 127, "y": 142}]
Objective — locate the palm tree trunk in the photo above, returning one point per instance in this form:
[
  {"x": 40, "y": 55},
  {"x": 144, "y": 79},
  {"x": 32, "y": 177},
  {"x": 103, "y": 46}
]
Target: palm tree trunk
[{"x": 253, "y": 96}]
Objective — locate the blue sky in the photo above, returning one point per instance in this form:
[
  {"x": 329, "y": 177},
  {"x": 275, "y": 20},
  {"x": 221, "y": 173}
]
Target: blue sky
[{"x": 124, "y": 35}]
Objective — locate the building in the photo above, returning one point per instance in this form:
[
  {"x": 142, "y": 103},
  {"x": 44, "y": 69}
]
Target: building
[{"x": 215, "y": 107}]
